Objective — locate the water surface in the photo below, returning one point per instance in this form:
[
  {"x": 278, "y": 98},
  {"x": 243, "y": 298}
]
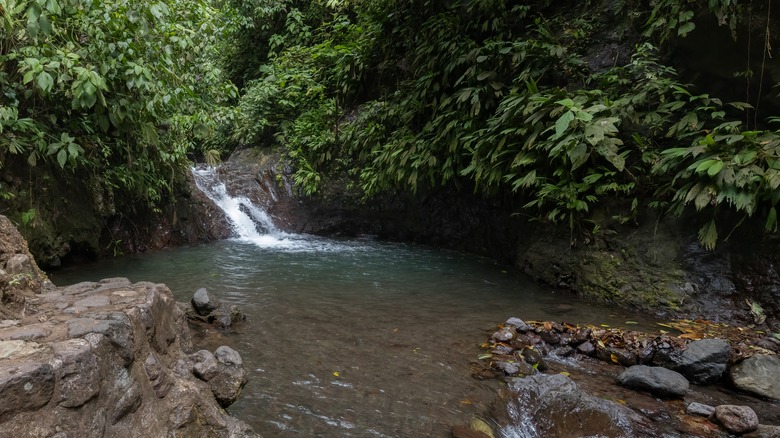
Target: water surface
[{"x": 353, "y": 338}]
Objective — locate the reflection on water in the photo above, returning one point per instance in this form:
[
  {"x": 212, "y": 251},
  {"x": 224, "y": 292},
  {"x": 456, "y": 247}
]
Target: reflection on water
[{"x": 353, "y": 338}]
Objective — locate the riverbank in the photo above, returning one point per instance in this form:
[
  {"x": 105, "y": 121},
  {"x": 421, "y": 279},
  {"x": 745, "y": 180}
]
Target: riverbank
[{"x": 108, "y": 358}]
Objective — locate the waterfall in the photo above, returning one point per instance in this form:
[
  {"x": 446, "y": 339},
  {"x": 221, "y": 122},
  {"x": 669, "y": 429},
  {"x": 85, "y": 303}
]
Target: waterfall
[{"x": 248, "y": 221}]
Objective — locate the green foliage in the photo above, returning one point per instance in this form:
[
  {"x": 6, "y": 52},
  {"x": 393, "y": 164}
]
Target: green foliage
[
  {"x": 100, "y": 86},
  {"x": 501, "y": 97}
]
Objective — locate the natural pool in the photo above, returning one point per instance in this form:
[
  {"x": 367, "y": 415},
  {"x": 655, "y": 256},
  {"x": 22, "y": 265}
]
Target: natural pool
[{"x": 353, "y": 337}]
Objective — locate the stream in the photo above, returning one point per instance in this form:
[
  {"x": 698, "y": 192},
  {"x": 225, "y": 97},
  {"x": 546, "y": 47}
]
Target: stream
[{"x": 349, "y": 337}]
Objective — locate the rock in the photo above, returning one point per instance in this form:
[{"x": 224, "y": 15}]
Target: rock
[
  {"x": 736, "y": 419},
  {"x": 534, "y": 358},
  {"x": 78, "y": 372},
  {"x": 563, "y": 351},
  {"x": 206, "y": 366},
  {"x": 129, "y": 402},
  {"x": 25, "y": 386},
  {"x": 657, "y": 380},
  {"x": 463, "y": 431},
  {"x": 158, "y": 377},
  {"x": 225, "y": 316},
  {"x": 226, "y": 385},
  {"x": 586, "y": 348},
  {"x": 117, "y": 330},
  {"x": 758, "y": 375},
  {"x": 552, "y": 405},
  {"x": 203, "y": 302},
  {"x": 509, "y": 368},
  {"x": 518, "y": 324},
  {"x": 505, "y": 334},
  {"x": 704, "y": 361},
  {"x": 701, "y": 409},
  {"x": 764, "y": 431}
]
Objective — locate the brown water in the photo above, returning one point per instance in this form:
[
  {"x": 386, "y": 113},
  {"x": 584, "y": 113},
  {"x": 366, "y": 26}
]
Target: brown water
[{"x": 354, "y": 338}]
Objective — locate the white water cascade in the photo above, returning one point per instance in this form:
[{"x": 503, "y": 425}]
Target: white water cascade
[{"x": 249, "y": 222}]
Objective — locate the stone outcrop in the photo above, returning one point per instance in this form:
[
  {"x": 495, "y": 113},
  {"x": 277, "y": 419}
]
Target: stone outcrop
[
  {"x": 103, "y": 359},
  {"x": 759, "y": 374}
]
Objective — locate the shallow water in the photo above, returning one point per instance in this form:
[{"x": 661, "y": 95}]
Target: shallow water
[{"x": 353, "y": 338}]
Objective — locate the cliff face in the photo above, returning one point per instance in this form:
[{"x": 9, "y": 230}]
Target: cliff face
[{"x": 105, "y": 359}]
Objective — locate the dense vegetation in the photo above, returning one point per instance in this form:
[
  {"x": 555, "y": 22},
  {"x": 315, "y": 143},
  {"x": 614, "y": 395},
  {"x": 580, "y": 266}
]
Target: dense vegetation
[
  {"x": 112, "y": 92},
  {"x": 569, "y": 106},
  {"x": 511, "y": 97}
]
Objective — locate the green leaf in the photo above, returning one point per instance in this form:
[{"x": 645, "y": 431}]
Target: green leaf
[
  {"x": 563, "y": 123},
  {"x": 715, "y": 168},
  {"x": 771, "y": 220},
  {"x": 62, "y": 157},
  {"x": 45, "y": 81},
  {"x": 685, "y": 29},
  {"x": 708, "y": 235}
]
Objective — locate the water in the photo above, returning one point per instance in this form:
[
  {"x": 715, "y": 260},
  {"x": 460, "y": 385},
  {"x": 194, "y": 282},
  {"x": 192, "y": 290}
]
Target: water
[{"x": 349, "y": 337}]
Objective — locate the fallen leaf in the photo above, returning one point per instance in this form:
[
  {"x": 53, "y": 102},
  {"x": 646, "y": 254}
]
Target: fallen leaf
[
  {"x": 336, "y": 374},
  {"x": 614, "y": 358}
]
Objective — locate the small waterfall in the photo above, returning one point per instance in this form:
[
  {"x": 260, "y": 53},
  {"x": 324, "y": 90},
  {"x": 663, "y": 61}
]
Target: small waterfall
[{"x": 249, "y": 222}]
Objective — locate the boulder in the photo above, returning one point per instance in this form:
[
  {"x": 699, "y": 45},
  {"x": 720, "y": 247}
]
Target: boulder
[
  {"x": 203, "y": 302},
  {"x": 704, "y": 361},
  {"x": 758, "y": 375},
  {"x": 659, "y": 381},
  {"x": 230, "y": 378},
  {"x": 518, "y": 324},
  {"x": 552, "y": 405},
  {"x": 736, "y": 419}
]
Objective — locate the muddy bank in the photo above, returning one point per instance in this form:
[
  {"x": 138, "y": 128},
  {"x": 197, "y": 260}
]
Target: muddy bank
[{"x": 111, "y": 358}]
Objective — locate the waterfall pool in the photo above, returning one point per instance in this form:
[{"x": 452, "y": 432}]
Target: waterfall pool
[{"x": 353, "y": 337}]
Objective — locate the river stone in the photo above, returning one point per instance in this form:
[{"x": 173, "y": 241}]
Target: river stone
[
  {"x": 695, "y": 408},
  {"x": 206, "y": 366},
  {"x": 518, "y": 324},
  {"x": 25, "y": 386},
  {"x": 704, "y": 361},
  {"x": 505, "y": 334},
  {"x": 758, "y": 375},
  {"x": 78, "y": 374},
  {"x": 552, "y": 405},
  {"x": 736, "y": 419},
  {"x": 657, "y": 380},
  {"x": 203, "y": 302},
  {"x": 226, "y": 385}
]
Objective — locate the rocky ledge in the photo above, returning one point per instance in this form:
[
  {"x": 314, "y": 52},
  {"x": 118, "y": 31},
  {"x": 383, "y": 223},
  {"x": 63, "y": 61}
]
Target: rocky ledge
[{"x": 105, "y": 359}]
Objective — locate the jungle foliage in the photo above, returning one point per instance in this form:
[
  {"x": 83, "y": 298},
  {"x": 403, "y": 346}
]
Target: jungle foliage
[
  {"x": 508, "y": 98},
  {"x": 116, "y": 92}
]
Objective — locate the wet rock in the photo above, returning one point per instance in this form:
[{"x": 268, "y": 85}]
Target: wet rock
[
  {"x": 758, "y": 375},
  {"x": 25, "y": 386},
  {"x": 226, "y": 385},
  {"x": 563, "y": 351},
  {"x": 203, "y": 302},
  {"x": 586, "y": 348},
  {"x": 502, "y": 349},
  {"x": 534, "y": 358},
  {"x": 582, "y": 335},
  {"x": 206, "y": 366},
  {"x": 764, "y": 431},
  {"x": 736, "y": 419},
  {"x": 701, "y": 409},
  {"x": 617, "y": 355},
  {"x": 550, "y": 337},
  {"x": 518, "y": 324},
  {"x": 554, "y": 406},
  {"x": 225, "y": 316},
  {"x": 657, "y": 380},
  {"x": 509, "y": 368},
  {"x": 505, "y": 334},
  {"x": 78, "y": 372},
  {"x": 704, "y": 361}
]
